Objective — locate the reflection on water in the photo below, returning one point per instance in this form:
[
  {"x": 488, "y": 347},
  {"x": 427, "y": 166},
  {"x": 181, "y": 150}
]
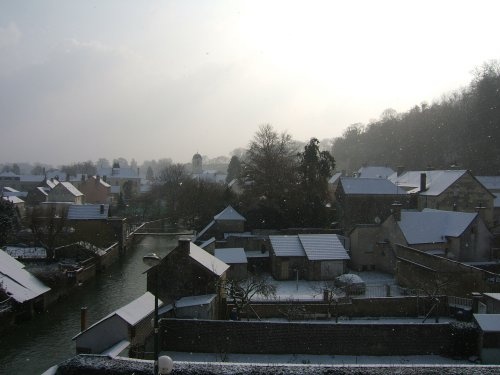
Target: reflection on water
[{"x": 34, "y": 346}]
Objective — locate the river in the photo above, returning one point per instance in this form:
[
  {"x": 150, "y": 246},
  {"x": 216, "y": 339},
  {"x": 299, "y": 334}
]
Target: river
[{"x": 34, "y": 346}]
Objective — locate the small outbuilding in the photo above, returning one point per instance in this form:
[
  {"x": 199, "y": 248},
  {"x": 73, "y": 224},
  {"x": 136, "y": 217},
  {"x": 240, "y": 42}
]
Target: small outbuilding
[{"x": 489, "y": 339}]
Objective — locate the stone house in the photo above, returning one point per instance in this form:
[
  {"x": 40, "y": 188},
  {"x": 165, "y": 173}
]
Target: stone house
[
  {"x": 226, "y": 221},
  {"x": 460, "y": 236},
  {"x": 95, "y": 189},
  {"x": 451, "y": 190},
  {"x": 187, "y": 270},
  {"x": 308, "y": 256},
  {"x": 65, "y": 192},
  {"x": 492, "y": 183},
  {"x": 366, "y": 200},
  {"x": 130, "y": 325}
]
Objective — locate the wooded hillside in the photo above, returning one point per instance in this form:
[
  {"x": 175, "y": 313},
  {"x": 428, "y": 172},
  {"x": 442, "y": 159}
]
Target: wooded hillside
[{"x": 462, "y": 129}]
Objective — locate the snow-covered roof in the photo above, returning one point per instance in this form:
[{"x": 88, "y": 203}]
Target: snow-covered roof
[
  {"x": 323, "y": 247},
  {"x": 26, "y": 252},
  {"x": 287, "y": 246},
  {"x": 496, "y": 201},
  {"x": 314, "y": 246},
  {"x": 231, "y": 255},
  {"x": 9, "y": 190},
  {"x": 195, "y": 300},
  {"x": 371, "y": 186},
  {"x": 13, "y": 199},
  {"x": 491, "y": 183},
  {"x": 133, "y": 312},
  {"x": 9, "y": 174},
  {"x": 488, "y": 322},
  {"x": 495, "y": 296},
  {"x": 42, "y": 190},
  {"x": 229, "y": 213},
  {"x": 433, "y": 226},
  {"x": 334, "y": 178},
  {"x": 17, "y": 282},
  {"x": 207, "y": 242},
  {"x": 375, "y": 172},
  {"x": 51, "y": 183},
  {"x": 204, "y": 230},
  {"x": 71, "y": 188},
  {"x": 207, "y": 260},
  {"x": 88, "y": 211},
  {"x": 436, "y": 181}
]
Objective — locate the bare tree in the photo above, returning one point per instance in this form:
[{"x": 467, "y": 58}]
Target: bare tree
[
  {"x": 332, "y": 295},
  {"x": 242, "y": 292}
]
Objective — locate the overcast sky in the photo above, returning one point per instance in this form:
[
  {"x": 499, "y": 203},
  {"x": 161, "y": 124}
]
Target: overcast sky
[{"x": 145, "y": 79}]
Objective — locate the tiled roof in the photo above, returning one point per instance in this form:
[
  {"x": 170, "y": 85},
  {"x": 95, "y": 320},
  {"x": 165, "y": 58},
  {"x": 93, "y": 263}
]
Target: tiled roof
[
  {"x": 433, "y": 226},
  {"x": 17, "y": 282},
  {"x": 287, "y": 246},
  {"x": 231, "y": 255},
  {"x": 229, "y": 213},
  {"x": 88, "y": 211},
  {"x": 207, "y": 260},
  {"x": 370, "y": 186}
]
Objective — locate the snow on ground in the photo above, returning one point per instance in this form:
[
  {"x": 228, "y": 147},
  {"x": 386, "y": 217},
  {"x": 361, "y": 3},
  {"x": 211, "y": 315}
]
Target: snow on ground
[
  {"x": 311, "y": 290},
  {"x": 313, "y": 359}
]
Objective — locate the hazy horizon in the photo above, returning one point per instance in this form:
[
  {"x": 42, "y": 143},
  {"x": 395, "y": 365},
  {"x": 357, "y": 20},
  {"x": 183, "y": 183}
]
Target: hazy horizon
[{"x": 151, "y": 80}]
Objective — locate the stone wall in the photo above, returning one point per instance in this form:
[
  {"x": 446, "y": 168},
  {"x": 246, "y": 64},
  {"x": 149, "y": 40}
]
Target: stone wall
[{"x": 304, "y": 338}]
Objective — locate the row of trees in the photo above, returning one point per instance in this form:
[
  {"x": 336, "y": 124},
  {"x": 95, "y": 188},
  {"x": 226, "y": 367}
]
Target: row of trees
[{"x": 462, "y": 129}]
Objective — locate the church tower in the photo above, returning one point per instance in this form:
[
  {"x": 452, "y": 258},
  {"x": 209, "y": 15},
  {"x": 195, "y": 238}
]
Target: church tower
[{"x": 197, "y": 164}]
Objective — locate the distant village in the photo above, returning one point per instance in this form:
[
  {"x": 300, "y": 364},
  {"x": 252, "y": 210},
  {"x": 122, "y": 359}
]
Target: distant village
[{"x": 421, "y": 244}]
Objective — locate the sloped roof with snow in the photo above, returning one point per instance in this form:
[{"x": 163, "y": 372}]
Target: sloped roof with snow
[
  {"x": 71, "y": 188},
  {"x": 287, "y": 246},
  {"x": 189, "y": 301},
  {"x": 26, "y": 252},
  {"x": 207, "y": 260},
  {"x": 42, "y": 190},
  {"x": 334, "y": 178},
  {"x": 231, "y": 255},
  {"x": 207, "y": 242},
  {"x": 433, "y": 226},
  {"x": 436, "y": 181},
  {"x": 370, "y": 186},
  {"x": 17, "y": 282},
  {"x": 488, "y": 322},
  {"x": 375, "y": 172},
  {"x": 229, "y": 213},
  {"x": 491, "y": 183},
  {"x": 133, "y": 312},
  {"x": 204, "y": 230},
  {"x": 88, "y": 212},
  {"x": 323, "y": 247},
  {"x": 13, "y": 199},
  {"x": 313, "y": 246}
]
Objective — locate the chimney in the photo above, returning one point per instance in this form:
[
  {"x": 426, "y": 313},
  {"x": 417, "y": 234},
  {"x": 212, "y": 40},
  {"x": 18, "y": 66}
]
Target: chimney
[
  {"x": 184, "y": 244},
  {"x": 83, "y": 319},
  {"x": 83, "y": 177},
  {"x": 400, "y": 170},
  {"x": 423, "y": 182},
  {"x": 104, "y": 178},
  {"x": 97, "y": 179},
  {"x": 396, "y": 210}
]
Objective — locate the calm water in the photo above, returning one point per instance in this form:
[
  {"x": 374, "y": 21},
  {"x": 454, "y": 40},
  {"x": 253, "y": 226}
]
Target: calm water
[{"x": 34, "y": 346}]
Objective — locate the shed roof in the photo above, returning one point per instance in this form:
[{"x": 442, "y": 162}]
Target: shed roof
[
  {"x": 17, "y": 282},
  {"x": 433, "y": 226},
  {"x": 495, "y": 296},
  {"x": 370, "y": 186},
  {"x": 207, "y": 260},
  {"x": 88, "y": 211},
  {"x": 488, "y": 322},
  {"x": 231, "y": 255},
  {"x": 229, "y": 213},
  {"x": 313, "y": 246}
]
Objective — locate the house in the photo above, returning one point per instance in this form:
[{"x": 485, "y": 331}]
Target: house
[
  {"x": 95, "y": 189},
  {"x": 308, "y": 256},
  {"x": 451, "y": 190},
  {"x": 366, "y": 200},
  {"x": 64, "y": 192},
  {"x": 374, "y": 172},
  {"x": 18, "y": 203},
  {"x": 237, "y": 261},
  {"x": 460, "y": 236},
  {"x": 226, "y": 221},
  {"x": 122, "y": 180},
  {"x": 129, "y": 325},
  {"x": 492, "y": 183},
  {"x": 37, "y": 195},
  {"x": 187, "y": 270},
  {"x": 489, "y": 339},
  {"x": 26, "y": 291}
]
